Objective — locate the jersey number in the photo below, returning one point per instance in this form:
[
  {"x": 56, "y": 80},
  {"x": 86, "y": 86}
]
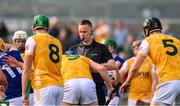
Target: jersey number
[
  {"x": 10, "y": 71},
  {"x": 54, "y": 53},
  {"x": 169, "y": 43}
]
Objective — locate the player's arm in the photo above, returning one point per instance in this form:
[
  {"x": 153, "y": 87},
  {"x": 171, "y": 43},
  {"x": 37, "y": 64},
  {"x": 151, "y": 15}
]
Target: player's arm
[
  {"x": 108, "y": 59},
  {"x": 3, "y": 84},
  {"x": 110, "y": 65},
  {"x": 29, "y": 54},
  {"x": 103, "y": 72},
  {"x": 124, "y": 71},
  {"x": 3, "y": 80},
  {"x": 116, "y": 74},
  {"x": 142, "y": 54},
  {"x": 26, "y": 73},
  {"x": 154, "y": 79}
]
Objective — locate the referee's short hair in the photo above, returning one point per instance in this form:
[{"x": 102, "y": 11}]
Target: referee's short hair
[{"x": 86, "y": 22}]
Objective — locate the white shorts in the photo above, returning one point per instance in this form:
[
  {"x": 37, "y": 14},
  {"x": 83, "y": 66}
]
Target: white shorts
[
  {"x": 167, "y": 93},
  {"x": 132, "y": 102},
  {"x": 18, "y": 101},
  {"x": 80, "y": 90},
  {"x": 51, "y": 95}
]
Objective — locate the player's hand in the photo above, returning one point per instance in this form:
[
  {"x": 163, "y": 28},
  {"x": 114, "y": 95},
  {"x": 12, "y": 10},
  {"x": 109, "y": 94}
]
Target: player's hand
[
  {"x": 123, "y": 87},
  {"x": 11, "y": 61},
  {"x": 25, "y": 101}
]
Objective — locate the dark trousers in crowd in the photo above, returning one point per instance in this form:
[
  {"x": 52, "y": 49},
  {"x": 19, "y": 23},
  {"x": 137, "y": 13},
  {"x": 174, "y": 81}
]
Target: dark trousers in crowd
[{"x": 100, "y": 94}]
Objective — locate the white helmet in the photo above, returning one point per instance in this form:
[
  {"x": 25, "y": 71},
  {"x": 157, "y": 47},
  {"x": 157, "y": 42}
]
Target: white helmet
[{"x": 20, "y": 34}]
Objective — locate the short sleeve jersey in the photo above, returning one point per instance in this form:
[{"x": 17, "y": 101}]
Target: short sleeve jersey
[
  {"x": 140, "y": 85},
  {"x": 164, "y": 51},
  {"x": 47, "y": 58}
]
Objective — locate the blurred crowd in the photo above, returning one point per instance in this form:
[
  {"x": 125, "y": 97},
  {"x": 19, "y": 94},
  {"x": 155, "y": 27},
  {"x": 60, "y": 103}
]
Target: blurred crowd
[{"x": 68, "y": 34}]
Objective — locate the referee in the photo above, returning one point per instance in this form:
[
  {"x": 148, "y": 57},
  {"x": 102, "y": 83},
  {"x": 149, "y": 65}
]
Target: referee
[{"x": 96, "y": 52}]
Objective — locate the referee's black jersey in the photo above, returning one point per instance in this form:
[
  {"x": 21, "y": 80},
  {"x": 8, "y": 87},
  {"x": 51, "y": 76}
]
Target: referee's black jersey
[{"x": 96, "y": 52}]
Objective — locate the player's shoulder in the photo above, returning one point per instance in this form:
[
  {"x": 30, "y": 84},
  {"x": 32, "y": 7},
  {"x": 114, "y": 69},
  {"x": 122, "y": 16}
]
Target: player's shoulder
[
  {"x": 129, "y": 61},
  {"x": 53, "y": 39},
  {"x": 13, "y": 52},
  {"x": 84, "y": 57},
  {"x": 31, "y": 38}
]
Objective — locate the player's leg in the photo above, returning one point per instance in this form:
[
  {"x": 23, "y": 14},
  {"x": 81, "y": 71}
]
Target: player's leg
[
  {"x": 159, "y": 104},
  {"x": 88, "y": 96},
  {"x": 100, "y": 94},
  {"x": 143, "y": 103},
  {"x": 115, "y": 101},
  {"x": 131, "y": 102}
]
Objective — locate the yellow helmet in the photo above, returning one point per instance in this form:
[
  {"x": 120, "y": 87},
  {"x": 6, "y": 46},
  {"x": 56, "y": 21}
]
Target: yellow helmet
[{"x": 2, "y": 47}]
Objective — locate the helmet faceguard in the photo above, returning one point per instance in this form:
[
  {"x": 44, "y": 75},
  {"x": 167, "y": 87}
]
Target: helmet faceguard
[{"x": 151, "y": 25}]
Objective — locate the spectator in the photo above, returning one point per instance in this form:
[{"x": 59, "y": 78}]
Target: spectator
[
  {"x": 54, "y": 27},
  {"x": 120, "y": 33},
  {"x": 63, "y": 37},
  {"x": 4, "y": 34},
  {"x": 166, "y": 29},
  {"x": 102, "y": 30}
]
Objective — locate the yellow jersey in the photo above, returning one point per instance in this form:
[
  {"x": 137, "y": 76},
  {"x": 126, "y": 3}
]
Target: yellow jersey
[
  {"x": 140, "y": 85},
  {"x": 75, "y": 66},
  {"x": 22, "y": 56},
  {"x": 47, "y": 58},
  {"x": 164, "y": 51}
]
